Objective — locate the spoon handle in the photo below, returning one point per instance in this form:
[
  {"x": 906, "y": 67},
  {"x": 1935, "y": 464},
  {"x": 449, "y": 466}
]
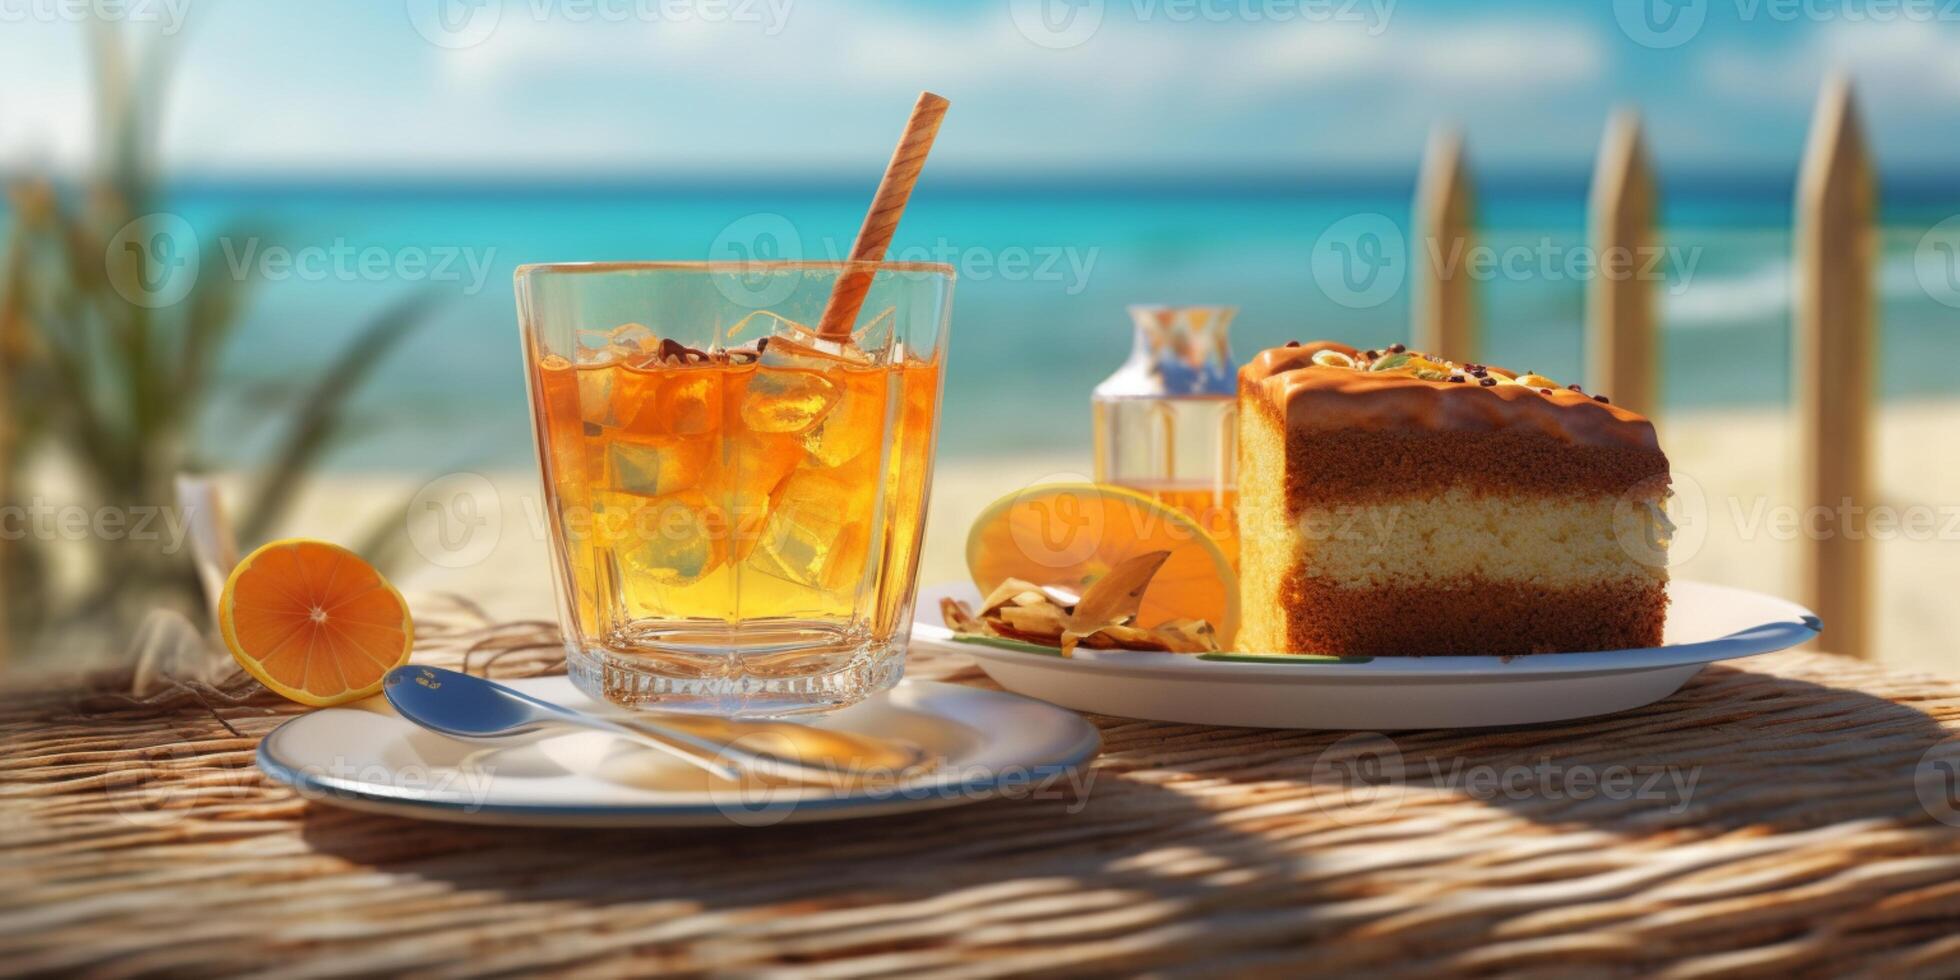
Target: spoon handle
[
  {"x": 698, "y": 752},
  {"x": 773, "y": 749}
]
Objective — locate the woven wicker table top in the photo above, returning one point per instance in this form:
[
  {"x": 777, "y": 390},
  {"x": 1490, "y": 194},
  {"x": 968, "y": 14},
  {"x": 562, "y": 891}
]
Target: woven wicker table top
[{"x": 1765, "y": 820}]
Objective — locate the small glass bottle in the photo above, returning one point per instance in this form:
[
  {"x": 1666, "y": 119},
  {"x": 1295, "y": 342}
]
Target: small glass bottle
[{"x": 1166, "y": 423}]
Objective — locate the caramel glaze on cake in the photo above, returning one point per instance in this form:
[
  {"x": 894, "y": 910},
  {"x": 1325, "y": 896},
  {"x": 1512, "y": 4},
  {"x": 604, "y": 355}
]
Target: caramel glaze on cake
[{"x": 1424, "y": 507}]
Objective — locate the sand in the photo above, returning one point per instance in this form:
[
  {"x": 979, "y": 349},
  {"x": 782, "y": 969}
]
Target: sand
[{"x": 1739, "y": 465}]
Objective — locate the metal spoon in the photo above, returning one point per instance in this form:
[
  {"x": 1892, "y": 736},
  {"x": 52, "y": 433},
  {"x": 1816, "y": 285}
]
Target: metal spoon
[{"x": 466, "y": 707}]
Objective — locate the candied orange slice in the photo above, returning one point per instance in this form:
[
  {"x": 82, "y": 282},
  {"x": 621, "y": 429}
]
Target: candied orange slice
[
  {"x": 314, "y": 622},
  {"x": 1071, "y": 534}
]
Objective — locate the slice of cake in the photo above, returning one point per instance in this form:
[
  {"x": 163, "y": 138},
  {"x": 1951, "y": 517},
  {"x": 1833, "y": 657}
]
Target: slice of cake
[{"x": 1394, "y": 503}]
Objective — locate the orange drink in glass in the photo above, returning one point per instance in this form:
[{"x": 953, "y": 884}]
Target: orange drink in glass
[{"x": 735, "y": 502}]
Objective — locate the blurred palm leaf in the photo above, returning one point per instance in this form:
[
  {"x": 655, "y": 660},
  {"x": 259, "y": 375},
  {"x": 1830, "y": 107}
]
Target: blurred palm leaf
[
  {"x": 113, "y": 387},
  {"x": 321, "y": 414}
]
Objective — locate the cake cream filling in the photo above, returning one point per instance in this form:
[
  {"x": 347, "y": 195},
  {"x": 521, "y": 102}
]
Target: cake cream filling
[{"x": 1461, "y": 535}]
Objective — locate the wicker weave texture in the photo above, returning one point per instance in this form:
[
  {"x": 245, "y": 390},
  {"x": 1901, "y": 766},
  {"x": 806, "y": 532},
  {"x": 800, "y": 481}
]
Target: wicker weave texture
[{"x": 1768, "y": 824}]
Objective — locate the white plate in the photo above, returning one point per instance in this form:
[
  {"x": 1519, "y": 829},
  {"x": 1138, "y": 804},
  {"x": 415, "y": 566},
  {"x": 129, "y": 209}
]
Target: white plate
[
  {"x": 366, "y": 757},
  {"x": 1705, "y": 623}
]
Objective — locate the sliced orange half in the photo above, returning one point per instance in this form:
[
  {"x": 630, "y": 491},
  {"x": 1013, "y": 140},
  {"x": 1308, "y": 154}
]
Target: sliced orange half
[
  {"x": 314, "y": 622},
  {"x": 1071, "y": 534}
]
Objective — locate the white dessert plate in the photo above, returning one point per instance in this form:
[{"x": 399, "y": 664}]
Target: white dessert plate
[
  {"x": 366, "y": 757},
  {"x": 1705, "y": 623}
]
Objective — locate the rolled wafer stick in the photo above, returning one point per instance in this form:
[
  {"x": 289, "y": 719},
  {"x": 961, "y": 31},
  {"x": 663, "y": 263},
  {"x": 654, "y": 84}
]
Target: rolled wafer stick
[{"x": 847, "y": 297}]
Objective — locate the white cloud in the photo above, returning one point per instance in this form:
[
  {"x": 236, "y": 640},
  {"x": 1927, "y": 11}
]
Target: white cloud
[
  {"x": 1906, "y": 75},
  {"x": 45, "y": 113},
  {"x": 1901, "y": 56},
  {"x": 553, "y": 92},
  {"x": 827, "y": 48},
  {"x": 1910, "y": 60},
  {"x": 1107, "y": 98},
  {"x": 1471, "y": 59}
]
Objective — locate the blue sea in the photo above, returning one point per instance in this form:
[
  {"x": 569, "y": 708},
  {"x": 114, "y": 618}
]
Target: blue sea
[{"x": 1047, "y": 270}]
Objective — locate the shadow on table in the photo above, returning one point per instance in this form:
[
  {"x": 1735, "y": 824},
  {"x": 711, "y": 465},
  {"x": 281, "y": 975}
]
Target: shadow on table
[
  {"x": 1167, "y": 802},
  {"x": 1084, "y": 828},
  {"x": 1734, "y": 748}
]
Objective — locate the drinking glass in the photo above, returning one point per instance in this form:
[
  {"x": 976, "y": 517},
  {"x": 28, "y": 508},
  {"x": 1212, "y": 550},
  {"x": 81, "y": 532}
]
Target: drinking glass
[{"x": 735, "y": 502}]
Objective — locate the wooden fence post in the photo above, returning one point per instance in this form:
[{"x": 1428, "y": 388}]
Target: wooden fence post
[
  {"x": 1836, "y": 247},
  {"x": 13, "y": 314},
  {"x": 1621, "y": 345},
  {"x": 1445, "y": 303}
]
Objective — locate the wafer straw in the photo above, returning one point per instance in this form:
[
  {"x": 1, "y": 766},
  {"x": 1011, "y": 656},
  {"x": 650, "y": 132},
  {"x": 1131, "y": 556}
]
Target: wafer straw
[{"x": 847, "y": 297}]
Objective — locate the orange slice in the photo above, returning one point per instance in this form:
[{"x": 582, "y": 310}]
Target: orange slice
[
  {"x": 1070, "y": 534},
  {"x": 314, "y": 622}
]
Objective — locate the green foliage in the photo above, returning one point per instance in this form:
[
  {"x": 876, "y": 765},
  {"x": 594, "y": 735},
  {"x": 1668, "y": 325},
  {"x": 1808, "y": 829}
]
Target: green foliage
[{"x": 106, "y": 392}]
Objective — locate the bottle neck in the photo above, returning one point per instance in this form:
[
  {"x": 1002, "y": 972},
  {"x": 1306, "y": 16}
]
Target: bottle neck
[{"x": 1177, "y": 350}]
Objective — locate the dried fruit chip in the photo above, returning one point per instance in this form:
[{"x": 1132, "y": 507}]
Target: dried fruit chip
[{"x": 1103, "y": 619}]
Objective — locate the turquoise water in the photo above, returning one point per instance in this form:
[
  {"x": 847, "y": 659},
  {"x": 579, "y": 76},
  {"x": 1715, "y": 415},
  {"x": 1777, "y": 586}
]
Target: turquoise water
[{"x": 1027, "y": 341}]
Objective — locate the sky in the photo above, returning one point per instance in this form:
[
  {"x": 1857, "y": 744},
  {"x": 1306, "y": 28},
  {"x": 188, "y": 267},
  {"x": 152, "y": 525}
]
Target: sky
[{"x": 649, "y": 88}]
